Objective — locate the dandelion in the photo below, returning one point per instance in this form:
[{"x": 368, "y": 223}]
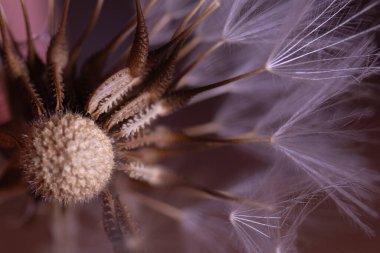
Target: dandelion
[{"x": 103, "y": 129}]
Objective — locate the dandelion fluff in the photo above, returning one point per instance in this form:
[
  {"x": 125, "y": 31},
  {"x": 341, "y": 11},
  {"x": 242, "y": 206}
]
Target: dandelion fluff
[
  {"x": 331, "y": 39},
  {"x": 275, "y": 227},
  {"x": 321, "y": 151},
  {"x": 254, "y": 21}
]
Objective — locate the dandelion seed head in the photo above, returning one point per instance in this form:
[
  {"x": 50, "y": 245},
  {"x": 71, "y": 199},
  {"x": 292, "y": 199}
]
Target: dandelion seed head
[
  {"x": 67, "y": 158},
  {"x": 271, "y": 60}
]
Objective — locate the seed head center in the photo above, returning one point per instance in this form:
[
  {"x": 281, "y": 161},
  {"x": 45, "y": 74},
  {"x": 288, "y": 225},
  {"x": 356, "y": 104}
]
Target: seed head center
[{"x": 67, "y": 158}]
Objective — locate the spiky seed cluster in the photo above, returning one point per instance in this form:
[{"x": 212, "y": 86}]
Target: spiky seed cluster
[{"x": 67, "y": 158}]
